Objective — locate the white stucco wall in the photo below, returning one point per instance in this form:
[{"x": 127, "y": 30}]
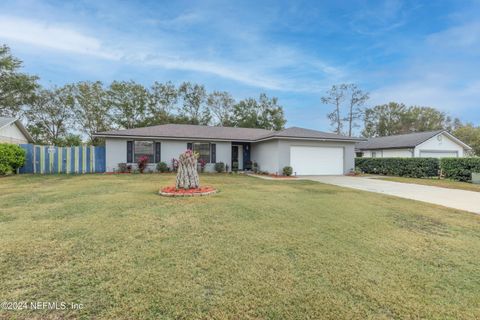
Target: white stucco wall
[
  {"x": 445, "y": 144},
  {"x": 397, "y": 153},
  {"x": 116, "y": 152},
  {"x": 171, "y": 149},
  {"x": 265, "y": 154},
  {"x": 389, "y": 153},
  {"x": 224, "y": 154},
  {"x": 11, "y": 134}
]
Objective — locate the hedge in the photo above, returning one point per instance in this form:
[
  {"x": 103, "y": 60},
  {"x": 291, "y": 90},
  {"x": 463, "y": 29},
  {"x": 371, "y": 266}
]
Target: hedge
[
  {"x": 402, "y": 167},
  {"x": 12, "y": 157},
  {"x": 459, "y": 168}
]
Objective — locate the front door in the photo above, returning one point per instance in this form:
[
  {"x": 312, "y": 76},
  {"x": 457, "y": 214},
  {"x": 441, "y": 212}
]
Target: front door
[{"x": 234, "y": 158}]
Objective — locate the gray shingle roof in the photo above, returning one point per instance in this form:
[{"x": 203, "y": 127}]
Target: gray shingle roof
[
  {"x": 190, "y": 131},
  {"x": 296, "y": 132},
  {"x": 409, "y": 140},
  {"x": 185, "y": 131}
]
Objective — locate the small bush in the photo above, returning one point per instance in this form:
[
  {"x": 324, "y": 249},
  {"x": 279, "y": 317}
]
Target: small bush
[
  {"x": 402, "y": 167},
  {"x": 162, "y": 167},
  {"x": 12, "y": 157},
  {"x": 459, "y": 168},
  {"x": 255, "y": 167},
  {"x": 287, "y": 171},
  {"x": 122, "y": 167},
  {"x": 220, "y": 167}
]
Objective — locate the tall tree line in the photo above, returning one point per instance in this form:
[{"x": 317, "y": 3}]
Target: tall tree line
[{"x": 59, "y": 115}]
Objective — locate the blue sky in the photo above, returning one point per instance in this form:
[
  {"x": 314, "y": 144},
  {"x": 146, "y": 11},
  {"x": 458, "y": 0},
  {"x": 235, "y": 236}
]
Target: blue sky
[{"x": 423, "y": 53}]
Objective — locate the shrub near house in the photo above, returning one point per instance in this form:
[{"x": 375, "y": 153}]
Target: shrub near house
[
  {"x": 402, "y": 167},
  {"x": 460, "y": 168},
  {"x": 12, "y": 157}
]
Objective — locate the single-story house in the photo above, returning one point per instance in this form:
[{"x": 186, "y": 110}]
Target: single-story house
[
  {"x": 432, "y": 144},
  {"x": 13, "y": 131},
  {"x": 308, "y": 152}
]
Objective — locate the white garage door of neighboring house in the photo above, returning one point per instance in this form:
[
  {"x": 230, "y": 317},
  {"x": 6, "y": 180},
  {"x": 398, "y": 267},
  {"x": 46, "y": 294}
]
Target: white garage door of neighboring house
[
  {"x": 438, "y": 154},
  {"x": 316, "y": 160}
]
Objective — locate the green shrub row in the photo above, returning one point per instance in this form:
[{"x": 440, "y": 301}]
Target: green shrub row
[
  {"x": 402, "y": 167},
  {"x": 12, "y": 157},
  {"x": 459, "y": 168}
]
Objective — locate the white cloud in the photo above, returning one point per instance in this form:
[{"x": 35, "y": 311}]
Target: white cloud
[
  {"x": 259, "y": 64},
  {"x": 422, "y": 93},
  {"x": 378, "y": 19},
  {"x": 52, "y": 36},
  {"x": 466, "y": 35}
]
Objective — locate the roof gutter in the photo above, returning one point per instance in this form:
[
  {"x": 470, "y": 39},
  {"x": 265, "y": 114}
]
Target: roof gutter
[
  {"x": 166, "y": 138},
  {"x": 355, "y": 140}
]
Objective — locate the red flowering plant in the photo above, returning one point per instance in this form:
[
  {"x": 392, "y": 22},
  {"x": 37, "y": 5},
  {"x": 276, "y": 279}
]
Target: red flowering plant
[
  {"x": 142, "y": 163},
  {"x": 202, "y": 163}
]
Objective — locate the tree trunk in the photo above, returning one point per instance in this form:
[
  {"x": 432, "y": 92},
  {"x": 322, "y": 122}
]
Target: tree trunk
[
  {"x": 350, "y": 121},
  {"x": 187, "y": 176},
  {"x": 339, "y": 120}
]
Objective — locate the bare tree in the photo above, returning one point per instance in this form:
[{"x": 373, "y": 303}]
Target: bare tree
[
  {"x": 335, "y": 97},
  {"x": 357, "y": 100}
]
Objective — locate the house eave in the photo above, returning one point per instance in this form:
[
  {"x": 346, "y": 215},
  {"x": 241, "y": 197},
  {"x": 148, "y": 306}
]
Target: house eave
[
  {"x": 310, "y": 139},
  {"x": 386, "y": 148},
  {"x": 115, "y": 136}
]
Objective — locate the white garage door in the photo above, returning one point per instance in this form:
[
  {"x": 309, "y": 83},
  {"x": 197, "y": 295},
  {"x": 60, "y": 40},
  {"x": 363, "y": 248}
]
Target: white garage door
[
  {"x": 438, "y": 154},
  {"x": 316, "y": 160}
]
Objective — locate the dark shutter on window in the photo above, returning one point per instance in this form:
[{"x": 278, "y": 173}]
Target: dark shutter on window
[
  {"x": 213, "y": 153},
  {"x": 158, "y": 148},
  {"x": 129, "y": 151},
  {"x": 190, "y": 146}
]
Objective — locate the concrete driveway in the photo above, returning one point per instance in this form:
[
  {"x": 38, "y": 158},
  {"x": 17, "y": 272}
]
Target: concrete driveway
[{"x": 452, "y": 198}]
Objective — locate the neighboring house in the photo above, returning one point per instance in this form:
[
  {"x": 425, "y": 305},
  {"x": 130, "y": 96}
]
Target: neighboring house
[
  {"x": 13, "y": 131},
  {"x": 306, "y": 151},
  {"x": 433, "y": 144}
]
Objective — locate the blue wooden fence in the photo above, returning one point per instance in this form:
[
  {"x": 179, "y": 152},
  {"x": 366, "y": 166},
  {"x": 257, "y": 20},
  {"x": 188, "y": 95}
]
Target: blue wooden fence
[{"x": 50, "y": 159}]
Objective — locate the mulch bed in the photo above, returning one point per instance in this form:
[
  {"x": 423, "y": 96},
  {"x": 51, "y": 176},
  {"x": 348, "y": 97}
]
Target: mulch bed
[{"x": 173, "y": 192}]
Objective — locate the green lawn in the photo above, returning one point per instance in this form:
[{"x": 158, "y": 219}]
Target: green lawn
[
  {"x": 259, "y": 249},
  {"x": 444, "y": 183}
]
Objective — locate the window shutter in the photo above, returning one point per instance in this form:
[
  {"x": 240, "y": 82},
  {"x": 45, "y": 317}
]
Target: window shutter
[
  {"x": 158, "y": 147},
  {"x": 190, "y": 146},
  {"x": 129, "y": 151},
  {"x": 213, "y": 153}
]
